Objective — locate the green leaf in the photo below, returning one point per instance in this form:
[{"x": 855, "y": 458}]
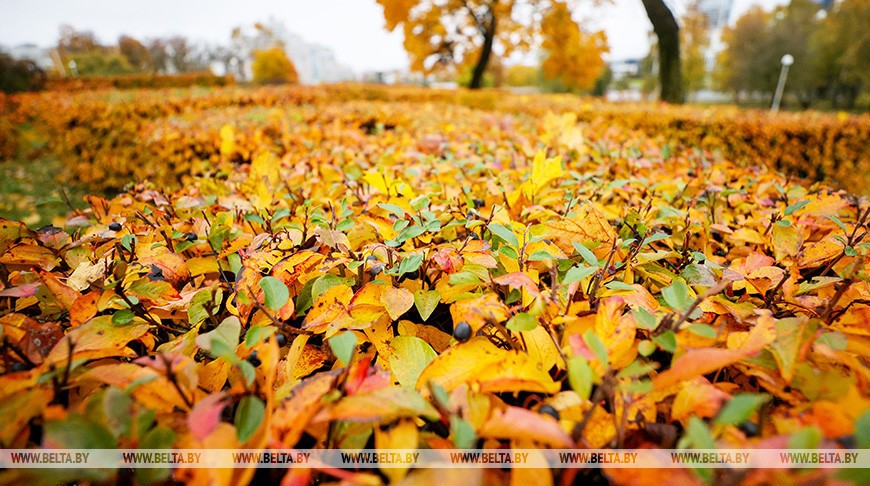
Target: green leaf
[
  {"x": 254, "y": 218},
  {"x": 197, "y": 312},
  {"x": 617, "y": 285},
  {"x": 258, "y": 334},
  {"x": 462, "y": 432},
  {"x": 128, "y": 241},
  {"x": 74, "y": 432},
  {"x": 653, "y": 238},
  {"x": 410, "y": 264},
  {"x": 324, "y": 283},
  {"x": 248, "y": 371},
  {"x": 392, "y": 209},
  {"x": 586, "y": 253},
  {"x": 509, "y": 252},
  {"x": 646, "y": 348},
  {"x": 122, "y": 317},
  {"x": 697, "y": 436},
  {"x": 249, "y": 416},
  {"x": 794, "y": 207},
  {"x": 597, "y": 346},
  {"x": 342, "y": 346},
  {"x": 862, "y": 431},
  {"x": 580, "y": 376},
  {"x": 410, "y": 358},
  {"x": 677, "y": 295},
  {"x": 666, "y": 341},
  {"x": 505, "y": 234},
  {"x": 740, "y": 408},
  {"x": 540, "y": 255},
  {"x": 636, "y": 369},
  {"x": 275, "y": 292},
  {"x": 806, "y": 438},
  {"x": 409, "y": 233},
  {"x": 156, "y": 438},
  {"x": 578, "y": 273},
  {"x": 838, "y": 222},
  {"x": 426, "y": 301},
  {"x": 702, "y": 330},
  {"x": 834, "y": 340},
  {"x": 522, "y": 322},
  {"x": 222, "y": 341},
  {"x": 644, "y": 319}
]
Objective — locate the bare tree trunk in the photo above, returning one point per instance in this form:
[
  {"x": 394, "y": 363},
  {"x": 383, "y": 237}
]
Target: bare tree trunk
[
  {"x": 488, "y": 29},
  {"x": 668, "y": 33}
]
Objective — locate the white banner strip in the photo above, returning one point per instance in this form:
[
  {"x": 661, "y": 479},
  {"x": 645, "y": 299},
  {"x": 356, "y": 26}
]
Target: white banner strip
[{"x": 434, "y": 458}]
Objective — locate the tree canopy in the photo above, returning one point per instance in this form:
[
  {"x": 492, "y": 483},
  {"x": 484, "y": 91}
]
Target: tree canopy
[
  {"x": 272, "y": 66},
  {"x": 459, "y": 33}
]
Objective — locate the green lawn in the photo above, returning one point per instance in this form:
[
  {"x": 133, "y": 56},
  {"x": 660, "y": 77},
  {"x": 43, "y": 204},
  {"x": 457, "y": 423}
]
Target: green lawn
[{"x": 29, "y": 187}]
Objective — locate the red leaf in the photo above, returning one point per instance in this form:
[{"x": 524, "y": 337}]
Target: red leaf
[{"x": 206, "y": 415}]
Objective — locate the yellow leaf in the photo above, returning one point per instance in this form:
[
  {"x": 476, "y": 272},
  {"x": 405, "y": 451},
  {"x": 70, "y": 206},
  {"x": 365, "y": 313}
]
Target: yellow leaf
[
  {"x": 544, "y": 170},
  {"x": 228, "y": 140},
  {"x": 494, "y": 369},
  {"x": 397, "y": 301},
  {"x": 521, "y": 424}
]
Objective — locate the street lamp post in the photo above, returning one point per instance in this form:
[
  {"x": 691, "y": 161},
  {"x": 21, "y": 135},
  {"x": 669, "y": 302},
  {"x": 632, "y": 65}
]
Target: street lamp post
[{"x": 787, "y": 60}]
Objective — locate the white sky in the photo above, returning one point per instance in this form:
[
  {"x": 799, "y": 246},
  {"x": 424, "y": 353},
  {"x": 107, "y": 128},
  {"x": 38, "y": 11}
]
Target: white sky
[{"x": 352, "y": 28}]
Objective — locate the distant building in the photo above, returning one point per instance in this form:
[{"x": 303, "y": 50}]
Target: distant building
[
  {"x": 718, "y": 14},
  {"x": 314, "y": 63},
  {"x": 32, "y": 52},
  {"x": 397, "y": 76},
  {"x": 625, "y": 68}
]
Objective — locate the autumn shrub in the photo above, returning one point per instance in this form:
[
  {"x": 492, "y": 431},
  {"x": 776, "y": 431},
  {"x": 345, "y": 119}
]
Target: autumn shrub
[
  {"x": 108, "y": 143},
  {"x": 10, "y": 117},
  {"x": 406, "y": 268},
  {"x": 136, "y": 81},
  {"x": 272, "y": 66}
]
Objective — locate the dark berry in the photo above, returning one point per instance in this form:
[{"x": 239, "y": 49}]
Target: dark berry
[
  {"x": 280, "y": 339},
  {"x": 18, "y": 367},
  {"x": 462, "y": 332},
  {"x": 749, "y": 428},
  {"x": 190, "y": 237},
  {"x": 848, "y": 441},
  {"x": 479, "y": 203},
  {"x": 254, "y": 359},
  {"x": 375, "y": 269},
  {"x": 156, "y": 273},
  {"x": 549, "y": 410},
  {"x": 115, "y": 226}
]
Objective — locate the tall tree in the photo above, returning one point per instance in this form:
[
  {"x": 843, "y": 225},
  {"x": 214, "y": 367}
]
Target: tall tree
[
  {"x": 450, "y": 33},
  {"x": 841, "y": 49},
  {"x": 742, "y": 65},
  {"x": 135, "y": 52},
  {"x": 158, "y": 51},
  {"x": 668, "y": 34},
  {"x": 573, "y": 56},
  {"x": 72, "y": 41}
]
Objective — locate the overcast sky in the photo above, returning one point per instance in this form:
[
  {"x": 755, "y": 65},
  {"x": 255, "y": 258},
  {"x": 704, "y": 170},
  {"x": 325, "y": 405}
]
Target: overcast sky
[{"x": 352, "y": 28}]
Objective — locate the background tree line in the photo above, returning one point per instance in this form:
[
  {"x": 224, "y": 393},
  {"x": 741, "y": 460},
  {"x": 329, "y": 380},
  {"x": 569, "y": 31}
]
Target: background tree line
[{"x": 831, "y": 52}]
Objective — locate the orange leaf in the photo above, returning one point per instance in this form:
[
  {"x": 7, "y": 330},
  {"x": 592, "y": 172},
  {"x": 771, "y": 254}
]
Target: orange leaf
[{"x": 697, "y": 362}]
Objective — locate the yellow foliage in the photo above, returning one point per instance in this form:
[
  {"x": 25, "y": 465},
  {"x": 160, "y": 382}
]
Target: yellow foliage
[{"x": 272, "y": 66}]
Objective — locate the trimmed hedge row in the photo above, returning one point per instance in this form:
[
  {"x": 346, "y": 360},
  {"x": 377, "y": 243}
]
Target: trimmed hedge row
[{"x": 163, "y": 136}]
